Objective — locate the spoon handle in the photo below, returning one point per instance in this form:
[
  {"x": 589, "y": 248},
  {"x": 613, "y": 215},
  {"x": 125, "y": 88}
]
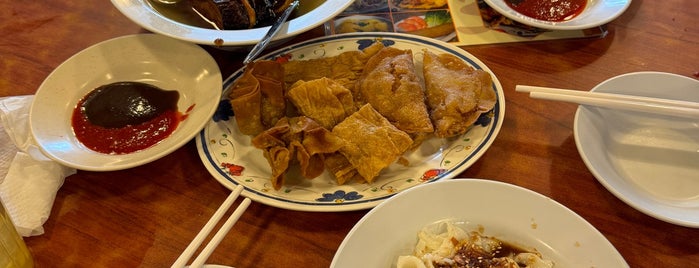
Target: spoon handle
[{"x": 271, "y": 33}]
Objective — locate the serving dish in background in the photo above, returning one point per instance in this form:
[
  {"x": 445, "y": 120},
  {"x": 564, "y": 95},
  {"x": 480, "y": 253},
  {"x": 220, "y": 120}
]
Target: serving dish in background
[
  {"x": 595, "y": 13},
  {"x": 142, "y": 13}
]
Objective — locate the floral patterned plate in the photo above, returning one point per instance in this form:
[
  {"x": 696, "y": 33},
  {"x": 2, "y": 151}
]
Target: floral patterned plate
[{"x": 230, "y": 157}]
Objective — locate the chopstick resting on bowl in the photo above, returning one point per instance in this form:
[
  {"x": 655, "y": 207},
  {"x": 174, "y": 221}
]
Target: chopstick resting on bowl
[
  {"x": 199, "y": 238},
  {"x": 615, "y": 101}
]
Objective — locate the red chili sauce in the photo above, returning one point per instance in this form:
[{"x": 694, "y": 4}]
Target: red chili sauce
[
  {"x": 548, "y": 10},
  {"x": 125, "y": 117}
]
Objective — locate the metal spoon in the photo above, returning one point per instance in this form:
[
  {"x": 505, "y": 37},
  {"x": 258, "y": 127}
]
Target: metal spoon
[{"x": 271, "y": 33}]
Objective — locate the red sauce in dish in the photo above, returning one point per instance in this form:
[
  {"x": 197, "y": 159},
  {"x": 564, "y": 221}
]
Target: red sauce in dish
[
  {"x": 125, "y": 117},
  {"x": 548, "y": 10}
]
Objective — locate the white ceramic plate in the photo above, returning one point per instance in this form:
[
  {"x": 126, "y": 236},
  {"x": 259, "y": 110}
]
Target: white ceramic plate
[
  {"x": 651, "y": 162},
  {"x": 507, "y": 212},
  {"x": 141, "y": 12},
  {"x": 167, "y": 63},
  {"x": 223, "y": 149},
  {"x": 596, "y": 13}
]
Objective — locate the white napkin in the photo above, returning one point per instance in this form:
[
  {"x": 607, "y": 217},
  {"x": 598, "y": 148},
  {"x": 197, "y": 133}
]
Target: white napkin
[{"x": 28, "y": 179}]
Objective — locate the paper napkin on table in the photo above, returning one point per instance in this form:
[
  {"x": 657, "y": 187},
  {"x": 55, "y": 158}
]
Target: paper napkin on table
[{"x": 29, "y": 180}]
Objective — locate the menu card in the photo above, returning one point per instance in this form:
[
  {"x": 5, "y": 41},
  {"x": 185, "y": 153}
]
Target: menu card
[{"x": 460, "y": 22}]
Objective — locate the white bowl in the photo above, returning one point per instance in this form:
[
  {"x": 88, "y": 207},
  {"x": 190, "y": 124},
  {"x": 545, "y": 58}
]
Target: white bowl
[
  {"x": 158, "y": 60},
  {"x": 649, "y": 161},
  {"x": 507, "y": 212},
  {"x": 596, "y": 13},
  {"x": 143, "y": 14}
]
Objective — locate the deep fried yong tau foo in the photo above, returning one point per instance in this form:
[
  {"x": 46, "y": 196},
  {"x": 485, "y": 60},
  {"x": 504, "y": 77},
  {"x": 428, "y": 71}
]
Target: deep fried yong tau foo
[
  {"x": 324, "y": 100},
  {"x": 258, "y": 98},
  {"x": 456, "y": 93},
  {"x": 371, "y": 142},
  {"x": 391, "y": 85},
  {"x": 296, "y": 140},
  {"x": 344, "y": 68},
  {"x": 323, "y": 128}
]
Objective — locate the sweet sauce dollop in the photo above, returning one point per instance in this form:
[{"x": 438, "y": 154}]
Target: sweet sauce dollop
[
  {"x": 125, "y": 117},
  {"x": 548, "y": 10}
]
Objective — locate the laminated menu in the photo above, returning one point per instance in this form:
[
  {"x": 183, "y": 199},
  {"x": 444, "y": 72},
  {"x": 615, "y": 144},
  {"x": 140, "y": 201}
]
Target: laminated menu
[{"x": 460, "y": 22}]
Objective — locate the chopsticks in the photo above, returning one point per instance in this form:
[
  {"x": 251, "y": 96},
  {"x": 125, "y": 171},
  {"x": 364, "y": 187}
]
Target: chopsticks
[
  {"x": 199, "y": 238},
  {"x": 615, "y": 101}
]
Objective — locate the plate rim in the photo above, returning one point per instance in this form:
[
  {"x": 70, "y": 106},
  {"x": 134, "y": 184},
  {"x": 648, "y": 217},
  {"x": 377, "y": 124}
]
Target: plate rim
[
  {"x": 497, "y": 122},
  {"x": 631, "y": 201}
]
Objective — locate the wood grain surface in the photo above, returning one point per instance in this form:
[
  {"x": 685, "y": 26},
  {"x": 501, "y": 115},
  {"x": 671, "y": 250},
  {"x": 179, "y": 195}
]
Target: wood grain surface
[{"x": 145, "y": 216}]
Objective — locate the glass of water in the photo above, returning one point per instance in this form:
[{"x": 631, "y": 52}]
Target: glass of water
[{"x": 13, "y": 251}]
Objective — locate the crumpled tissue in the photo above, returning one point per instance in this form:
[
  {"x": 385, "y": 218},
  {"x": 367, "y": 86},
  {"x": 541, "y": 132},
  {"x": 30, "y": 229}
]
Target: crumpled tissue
[{"x": 29, "y": 180}]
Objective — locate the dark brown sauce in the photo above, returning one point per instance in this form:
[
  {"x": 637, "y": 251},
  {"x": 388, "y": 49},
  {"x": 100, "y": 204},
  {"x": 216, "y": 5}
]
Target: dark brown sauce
[
  {"x": 127, "y": 103},
  {"x": 470, "y": 255},
  {"x": 125, "y": 117}
]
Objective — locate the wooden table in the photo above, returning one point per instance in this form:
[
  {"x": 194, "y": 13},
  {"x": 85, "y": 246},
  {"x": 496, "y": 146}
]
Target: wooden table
[{"x": 146, "y": 216}]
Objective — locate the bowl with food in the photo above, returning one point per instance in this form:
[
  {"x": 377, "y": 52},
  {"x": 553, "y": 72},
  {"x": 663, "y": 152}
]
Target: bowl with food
[
  {"x": 560, "y": 15},
  {"x": 124, "y": 102},
  {"x": 464, "y": 221},
  {"x": 227, "y": 23}
]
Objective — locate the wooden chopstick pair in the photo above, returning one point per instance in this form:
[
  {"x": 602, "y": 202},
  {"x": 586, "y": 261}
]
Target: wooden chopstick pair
[
  {"x": 615, "y": 101},
  {"x": 216, "y": 239}
]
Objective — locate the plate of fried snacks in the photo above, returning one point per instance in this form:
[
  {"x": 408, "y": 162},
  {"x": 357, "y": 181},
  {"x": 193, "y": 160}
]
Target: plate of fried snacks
[
  {"x": 344, "y": 122},
  {"x": 474, "y": 223}
]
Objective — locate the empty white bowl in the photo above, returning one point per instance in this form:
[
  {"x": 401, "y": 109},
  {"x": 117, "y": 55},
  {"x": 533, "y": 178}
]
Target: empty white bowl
[
  {"x": 142, "y": 13},
  {"x": 158, "y": 60},
  {"x": 596, "y": 13},
  {"x": 649, "y": 161}
]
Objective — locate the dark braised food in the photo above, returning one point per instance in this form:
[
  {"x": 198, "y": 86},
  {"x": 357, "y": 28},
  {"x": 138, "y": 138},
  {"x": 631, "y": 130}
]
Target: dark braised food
[{"x": 240, "y": 14}]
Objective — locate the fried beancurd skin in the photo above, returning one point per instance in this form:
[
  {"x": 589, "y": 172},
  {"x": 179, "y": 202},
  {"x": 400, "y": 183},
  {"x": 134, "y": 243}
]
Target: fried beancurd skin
[
  {"x": 345, "y": 68},
  {"x": 323, "y": 100},
  {"x": 456, "y": 93},
  {"x": 296, "y": 140},
  {"x": 341, "y": 168},
  {"x": 257, "y": 97},
  {"x": 371, "y": 142},
  {"x": 391, "y": 85}
]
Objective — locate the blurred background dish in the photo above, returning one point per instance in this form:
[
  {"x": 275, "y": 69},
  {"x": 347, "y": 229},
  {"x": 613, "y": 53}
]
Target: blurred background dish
[
  {"x": 173, "y": 21},
  {"x": 436, "y": 24},
  {"x": 509, "y": 213},
  {"x": 593, "y": 14},
  {"x": 367, "y": 6},
  {"x": 648, "y": 161},
  {"x": 361, "y": 23},
  {"x": 157, "y": 60}
]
